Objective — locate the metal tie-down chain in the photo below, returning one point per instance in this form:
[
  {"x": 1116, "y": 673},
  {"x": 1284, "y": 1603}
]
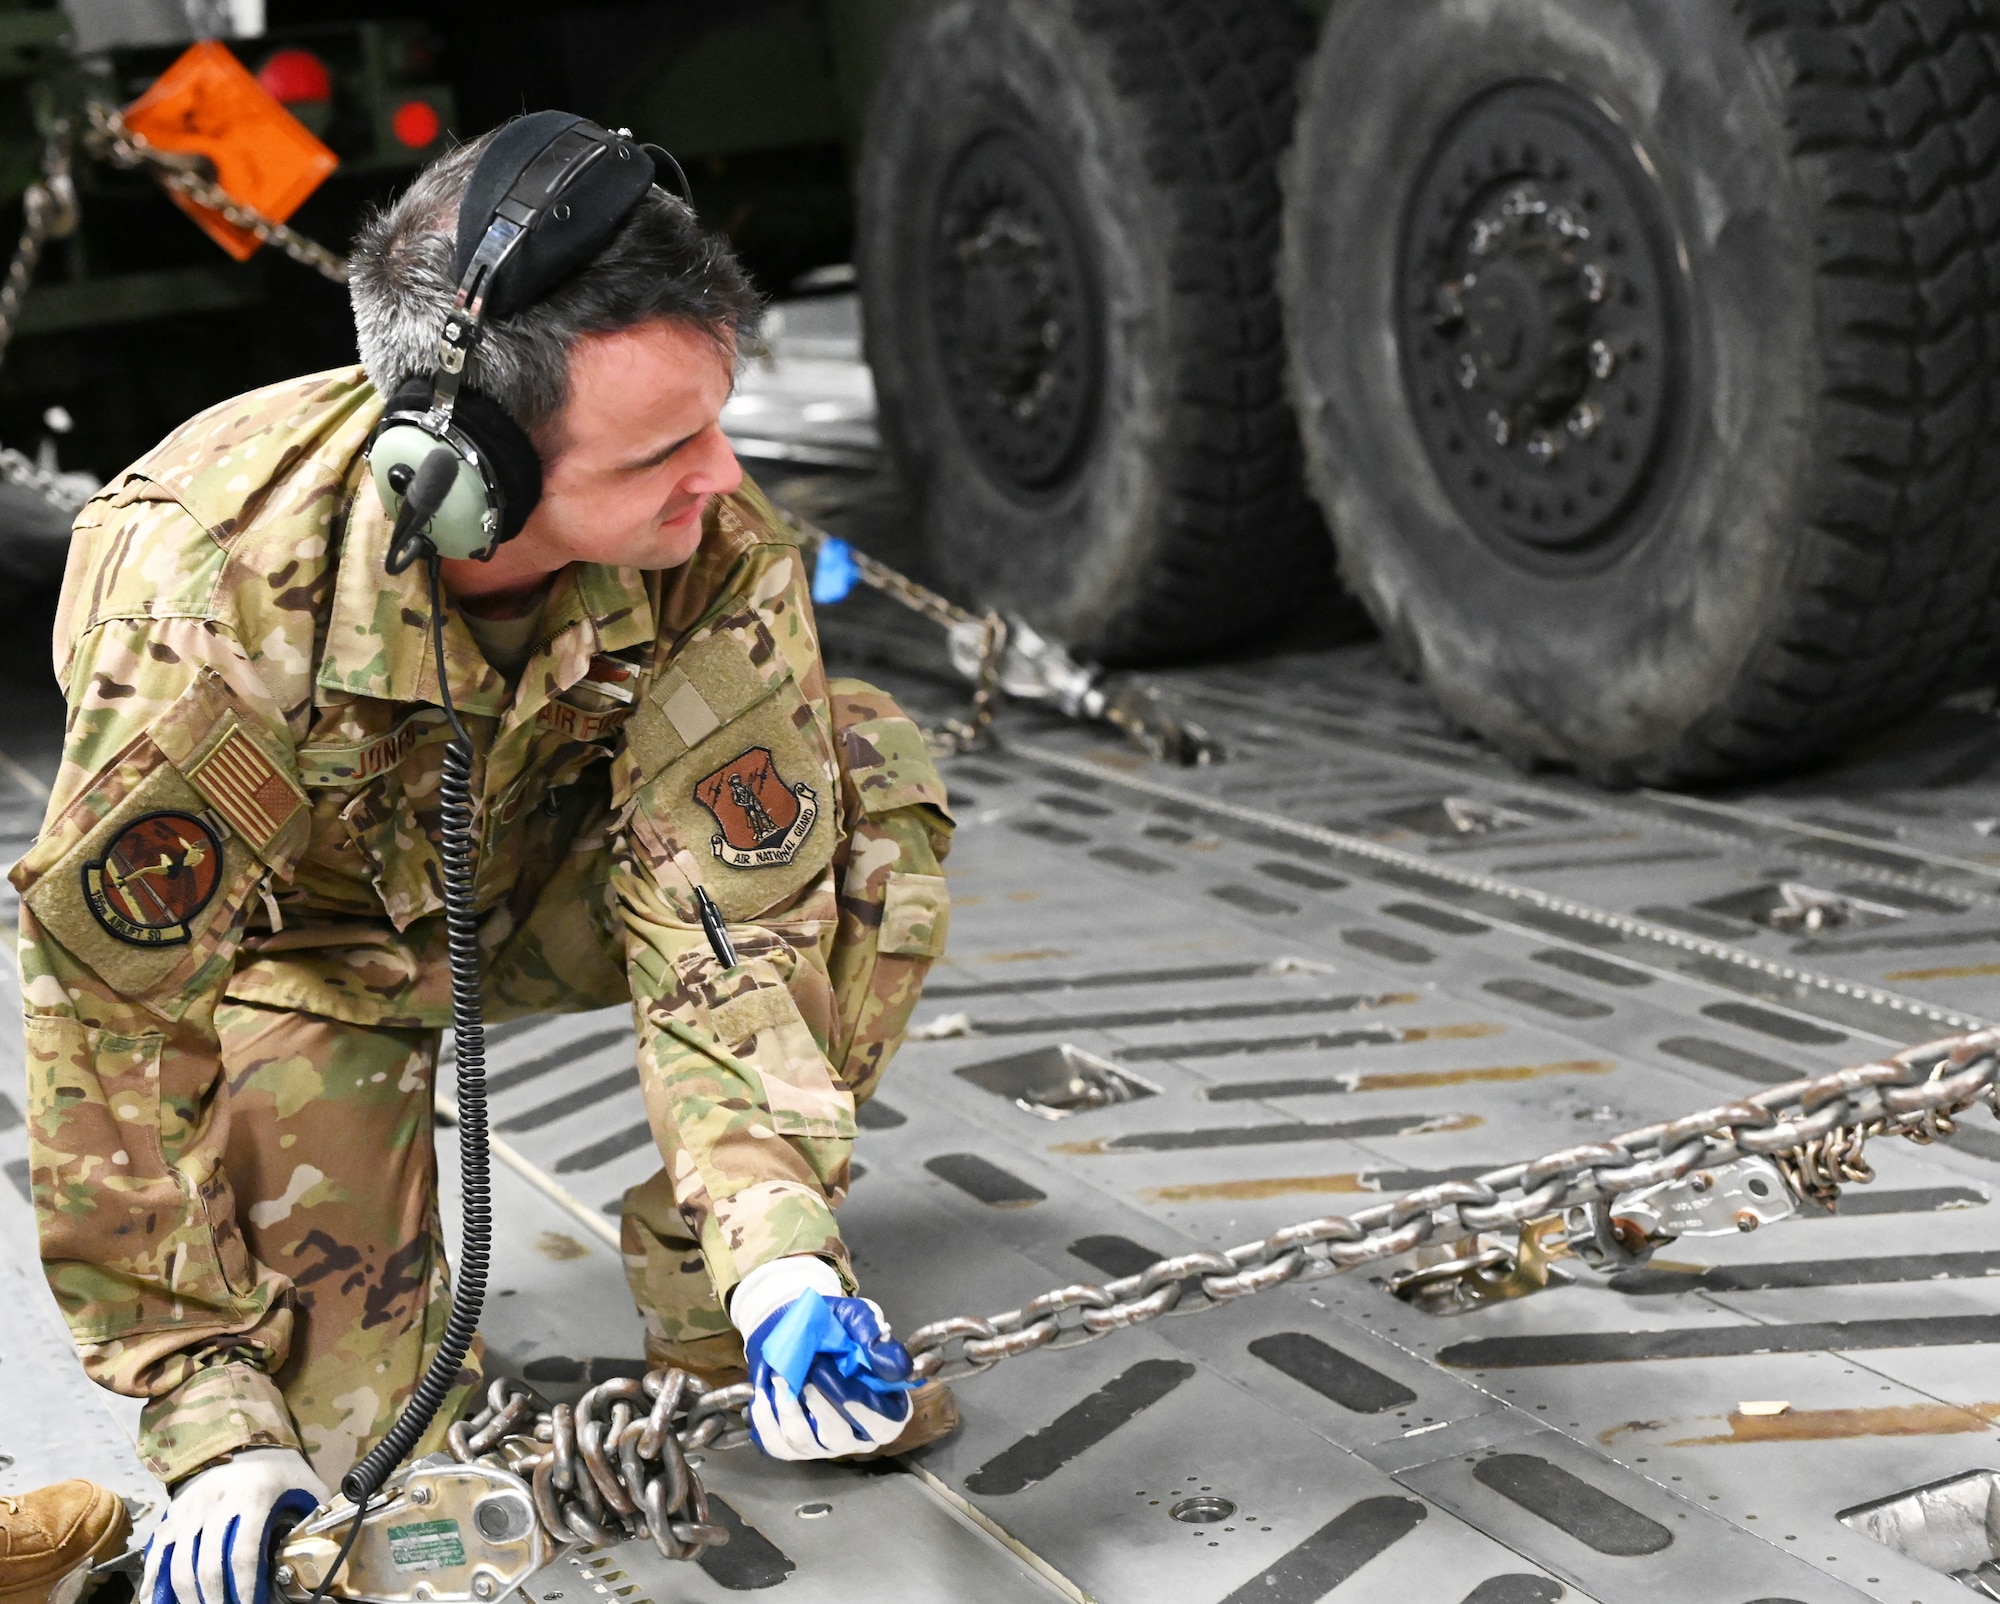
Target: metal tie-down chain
[
  {"x": 614, "y": 1467},
  {"x": 1001, "y": 654},
  {"x": 49, "y": 211},
  {"x": 988, "y": 630},
  {"x": 111, "y": 140}
]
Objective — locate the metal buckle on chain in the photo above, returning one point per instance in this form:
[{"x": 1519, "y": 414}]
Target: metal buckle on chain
[
  {"x": 1715, "y": 1200},
  {"x": 1485, "y": 1269}
]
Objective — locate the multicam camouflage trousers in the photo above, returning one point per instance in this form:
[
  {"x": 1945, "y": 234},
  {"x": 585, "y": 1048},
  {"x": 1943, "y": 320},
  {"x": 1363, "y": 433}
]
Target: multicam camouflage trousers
[
  {"x": 330, "y": 1128},
  {"x": 330, "y": 1134}
]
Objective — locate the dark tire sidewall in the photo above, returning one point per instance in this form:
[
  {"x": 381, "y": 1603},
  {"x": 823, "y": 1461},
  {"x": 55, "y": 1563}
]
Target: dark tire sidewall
[
  {"x": 1065, "y": 558},
  {"x": 1608, "y": 664}
]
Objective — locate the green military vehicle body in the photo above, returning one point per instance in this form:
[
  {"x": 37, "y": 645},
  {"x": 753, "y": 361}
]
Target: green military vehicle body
[
  {"x": 134, "y": 320},
  {"x": 1643, "y": 360}
]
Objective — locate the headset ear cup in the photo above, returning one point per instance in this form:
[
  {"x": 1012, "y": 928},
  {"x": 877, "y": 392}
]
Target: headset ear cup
[
  {"x": 512, "y": 465},
  {"x": 495, "y": 454},
  {"x": 460, "y": 527}
]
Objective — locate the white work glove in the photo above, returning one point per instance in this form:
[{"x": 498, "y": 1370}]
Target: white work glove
[
  {"x": 209, "y": 1547},
  {"x": 829, "y": 1379}
]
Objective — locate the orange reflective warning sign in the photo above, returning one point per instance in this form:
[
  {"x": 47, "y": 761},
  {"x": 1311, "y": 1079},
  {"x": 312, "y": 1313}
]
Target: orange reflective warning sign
[{"x": 208, "y": 104}]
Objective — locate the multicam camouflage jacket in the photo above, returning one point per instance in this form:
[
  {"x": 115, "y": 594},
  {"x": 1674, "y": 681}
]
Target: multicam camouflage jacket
[{"x": 246, "y": 811}]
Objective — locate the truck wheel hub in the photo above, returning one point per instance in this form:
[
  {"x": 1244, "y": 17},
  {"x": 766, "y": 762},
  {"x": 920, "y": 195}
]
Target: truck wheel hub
[
  {"x": 1524, "y": 324},
  {"x": 1540, "y": 304},
  {"x": 1014, "y": 304}
]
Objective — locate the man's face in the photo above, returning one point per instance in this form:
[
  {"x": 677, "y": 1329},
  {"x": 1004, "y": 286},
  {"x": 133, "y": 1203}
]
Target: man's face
[{"x": 637, "y": 452}]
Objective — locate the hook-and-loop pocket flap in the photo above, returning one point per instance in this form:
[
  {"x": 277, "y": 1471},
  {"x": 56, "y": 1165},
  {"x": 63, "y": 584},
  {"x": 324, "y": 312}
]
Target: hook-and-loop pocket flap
[
  {"x": 916, "y": 915},
  {"x": 735, "y": 772}
]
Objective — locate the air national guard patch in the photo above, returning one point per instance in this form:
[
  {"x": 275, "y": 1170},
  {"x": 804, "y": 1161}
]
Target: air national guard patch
[
  {"x": 157, "y": 874},
  {"x": 764, "y": 821}
]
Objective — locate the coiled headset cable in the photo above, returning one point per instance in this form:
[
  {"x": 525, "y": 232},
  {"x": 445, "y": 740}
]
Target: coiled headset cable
[{"x": 423, "y": 492}]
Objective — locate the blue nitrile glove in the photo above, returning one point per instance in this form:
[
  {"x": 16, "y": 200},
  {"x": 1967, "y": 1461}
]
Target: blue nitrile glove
[
  {"x": 829, "y": 1379},
  {"x": 835, "y": 572},
  {"x": 212, "y": 1545}
]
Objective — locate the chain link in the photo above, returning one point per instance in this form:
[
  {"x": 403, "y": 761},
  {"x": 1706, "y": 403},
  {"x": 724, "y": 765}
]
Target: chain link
[
  {"x": 113, "y": 141},
  {"x": 1133, "y": 707},
  {"x": 954, "y": 735},
  {"x": 968, "y": 735},
  {"x": 615, "y": 1466},
  {"x": 1814, "y": 1127},
  {"x": 48, "y": 211}
]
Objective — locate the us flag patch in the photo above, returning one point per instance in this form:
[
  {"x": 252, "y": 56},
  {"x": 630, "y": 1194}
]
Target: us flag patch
[{"x": 246, "y": 788}]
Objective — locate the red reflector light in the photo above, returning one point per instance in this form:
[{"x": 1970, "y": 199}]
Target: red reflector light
[
  {"x": 416, "y": 123},
  {"x": 293, "y": 77}
]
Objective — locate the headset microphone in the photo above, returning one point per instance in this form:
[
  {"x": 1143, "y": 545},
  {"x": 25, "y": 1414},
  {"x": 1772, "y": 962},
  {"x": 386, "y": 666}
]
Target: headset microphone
[{"x": 424, "y": 491}]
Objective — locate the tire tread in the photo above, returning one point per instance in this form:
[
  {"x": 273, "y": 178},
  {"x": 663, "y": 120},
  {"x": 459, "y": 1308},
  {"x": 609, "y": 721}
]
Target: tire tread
[{"x": 1892, "y": 109}]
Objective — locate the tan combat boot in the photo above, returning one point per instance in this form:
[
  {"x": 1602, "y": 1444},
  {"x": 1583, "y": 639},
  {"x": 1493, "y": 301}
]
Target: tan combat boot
[
  {"x": 51, "y": 1537},
  {"x": 933, "y": 1414}
]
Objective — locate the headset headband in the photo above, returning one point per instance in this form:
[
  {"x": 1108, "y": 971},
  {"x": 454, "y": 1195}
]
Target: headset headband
[{"x": 546, "y": 195}]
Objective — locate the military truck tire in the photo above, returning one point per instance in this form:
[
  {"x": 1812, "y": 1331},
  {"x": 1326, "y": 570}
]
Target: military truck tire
[
  {"x": 1689, "y": 469},
  {"x": 1067, "y": 249}
]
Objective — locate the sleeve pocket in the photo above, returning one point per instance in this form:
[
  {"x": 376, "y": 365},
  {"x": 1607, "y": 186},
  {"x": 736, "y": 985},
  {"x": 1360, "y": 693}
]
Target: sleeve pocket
[
  {"x": 916, "y": 915},
  {"x": 143, "y": 884},
  {"x": 765, "y": 1032}
]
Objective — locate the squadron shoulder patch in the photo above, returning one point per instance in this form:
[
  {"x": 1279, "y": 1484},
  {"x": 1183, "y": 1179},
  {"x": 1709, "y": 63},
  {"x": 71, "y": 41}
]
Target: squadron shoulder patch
[
  {"x": 764, "y": 820},
  {"x": 156, "y": 875}
]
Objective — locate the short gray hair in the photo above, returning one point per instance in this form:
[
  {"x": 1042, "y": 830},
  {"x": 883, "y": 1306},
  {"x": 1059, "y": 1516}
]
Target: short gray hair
[{"x": 661, "y": 263}]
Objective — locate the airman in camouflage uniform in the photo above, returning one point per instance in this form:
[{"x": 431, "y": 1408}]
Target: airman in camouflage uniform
[{"x": 233, "y": 949}]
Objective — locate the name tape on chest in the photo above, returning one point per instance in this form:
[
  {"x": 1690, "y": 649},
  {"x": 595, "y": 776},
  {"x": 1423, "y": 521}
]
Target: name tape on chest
[{"x": 364, "y": 760}]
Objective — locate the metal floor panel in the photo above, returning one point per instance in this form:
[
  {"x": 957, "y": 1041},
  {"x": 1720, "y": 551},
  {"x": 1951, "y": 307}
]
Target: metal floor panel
[
  {"x": 1705, "y": 1556},
  {"x": 1191, "y": 930},
  {"x": 1063, "y": 883}
]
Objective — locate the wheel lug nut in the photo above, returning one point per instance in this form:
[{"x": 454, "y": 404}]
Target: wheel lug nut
[{"x": 1603, "y": 360}]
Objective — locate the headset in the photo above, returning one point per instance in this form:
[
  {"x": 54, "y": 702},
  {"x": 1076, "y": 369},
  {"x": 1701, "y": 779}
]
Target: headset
[
  {"x": 462, "y": 477},
  {"x": 545, "y": 198}
]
